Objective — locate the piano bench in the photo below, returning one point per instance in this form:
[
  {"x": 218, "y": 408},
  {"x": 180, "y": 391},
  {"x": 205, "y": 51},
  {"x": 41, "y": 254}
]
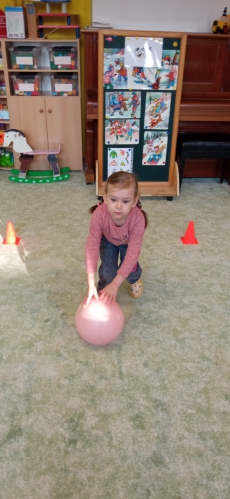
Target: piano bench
[{"x": 205, "y": 150}]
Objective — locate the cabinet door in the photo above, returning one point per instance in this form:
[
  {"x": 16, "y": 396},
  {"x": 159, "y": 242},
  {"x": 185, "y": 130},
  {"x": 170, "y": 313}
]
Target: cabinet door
[
  {"x": 28, "y": 114},
  {"x": 64, "y": 126}
]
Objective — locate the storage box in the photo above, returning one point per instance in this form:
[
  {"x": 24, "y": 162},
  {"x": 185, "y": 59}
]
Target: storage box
[
  {"x": 15, "y": 26},
  {"x": 64, "y": 84},
  {"x": 63, "y": 57},
  {"x": 27, "y": 84},
  {"x": 24, "y": 57}
]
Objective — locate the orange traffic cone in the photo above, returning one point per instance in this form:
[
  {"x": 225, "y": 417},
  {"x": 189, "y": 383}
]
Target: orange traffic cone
[
  {"x": 189, "y": 237},
  {"x": 11, "y": 237}
]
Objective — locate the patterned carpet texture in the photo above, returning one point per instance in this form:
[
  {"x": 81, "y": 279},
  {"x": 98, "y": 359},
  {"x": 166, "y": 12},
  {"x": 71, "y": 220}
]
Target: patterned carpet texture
[{"x": 147, "y": 416}]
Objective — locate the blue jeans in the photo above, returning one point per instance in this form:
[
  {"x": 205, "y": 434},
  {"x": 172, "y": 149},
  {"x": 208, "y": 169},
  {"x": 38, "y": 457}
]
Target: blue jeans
[{"x": 109, "y": 254}]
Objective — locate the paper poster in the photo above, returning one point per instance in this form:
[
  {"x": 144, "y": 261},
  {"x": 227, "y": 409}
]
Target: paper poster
[
  {"x": 120, "y": 159},
  {"x": 115, "y": 72},
  {"x": 154, "y": 78},
  {"x": 125, "y": 104},
  {"x": 155, "y": 148},
  {"x": 122, "y": 131},
  {"x": 117, "y": 76},
  {"x": 145, "y": 52},
  {"x": 157, "y": 110}
]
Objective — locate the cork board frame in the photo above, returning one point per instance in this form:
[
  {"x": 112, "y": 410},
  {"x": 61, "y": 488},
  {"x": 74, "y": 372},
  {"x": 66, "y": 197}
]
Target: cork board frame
[{"x": 139, "y": 136}]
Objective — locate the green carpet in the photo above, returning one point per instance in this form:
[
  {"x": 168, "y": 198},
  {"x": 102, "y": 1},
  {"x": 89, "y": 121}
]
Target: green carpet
[{"x": 147, "y": 416}]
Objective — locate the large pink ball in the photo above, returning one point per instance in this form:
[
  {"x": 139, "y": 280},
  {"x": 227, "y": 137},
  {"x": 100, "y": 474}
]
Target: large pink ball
[{"x": 99, "y": 323}]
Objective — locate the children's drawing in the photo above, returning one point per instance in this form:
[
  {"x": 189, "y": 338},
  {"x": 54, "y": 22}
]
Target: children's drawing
[
  {"x": 146, "y": 52},
  {"x": 152, "y": 78},
  {"x": 126, "y": 104},
  {"x": 155, "y": 148},
  {"x": 122, "y": 131},
  {"x": 115, "y": 72},
  {"x": 170, "y": 57},
  {"x": 120, "y": 159},
  {"x": 156, "y": 78},
  {"x": 157, "y": 110}
]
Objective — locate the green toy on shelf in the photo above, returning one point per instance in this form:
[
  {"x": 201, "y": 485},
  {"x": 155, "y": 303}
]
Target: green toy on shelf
[{"x": 6, "y": 158}]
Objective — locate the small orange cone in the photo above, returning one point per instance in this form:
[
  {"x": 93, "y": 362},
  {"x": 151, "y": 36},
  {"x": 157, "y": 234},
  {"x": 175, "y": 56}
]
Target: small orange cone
[
  {"x": 189, "y": 237},
  {"x": 11, "y": 237}
]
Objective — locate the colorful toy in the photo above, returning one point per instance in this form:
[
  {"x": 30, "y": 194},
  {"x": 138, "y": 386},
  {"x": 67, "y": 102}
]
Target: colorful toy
[
  {"x": 6, "y": 158},
  {"x": 24, "y": 57},
  {"x": 63, "y": 57},
  {"x": 99, "y": 323},
  {"x": 20, "y": 145},
  {"x": 26, "y": 84},
  {"x": 64, "y": 84},
  {"x": 222, "y": 25}
]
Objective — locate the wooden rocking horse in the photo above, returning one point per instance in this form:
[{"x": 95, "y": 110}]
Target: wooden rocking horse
[{"x": 20, "y": 145}]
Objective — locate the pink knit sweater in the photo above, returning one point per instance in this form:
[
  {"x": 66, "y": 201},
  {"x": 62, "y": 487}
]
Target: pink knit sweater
[{"x": 131, "y": 233}]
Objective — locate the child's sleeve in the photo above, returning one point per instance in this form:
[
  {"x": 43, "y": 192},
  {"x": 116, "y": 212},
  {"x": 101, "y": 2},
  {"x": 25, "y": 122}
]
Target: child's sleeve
[
  {"x": 93, "y": 242},
  {"x": 134, "y": 247}
]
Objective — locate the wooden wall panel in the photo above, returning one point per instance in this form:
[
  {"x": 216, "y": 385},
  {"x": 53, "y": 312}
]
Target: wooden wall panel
[{"x": 204, "y": 64}]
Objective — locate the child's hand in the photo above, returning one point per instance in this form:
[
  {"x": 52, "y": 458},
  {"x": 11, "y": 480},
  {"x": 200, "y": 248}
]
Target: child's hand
[
  {"x": 109, "y": 293},
  {"x": 91, "y": 292}
]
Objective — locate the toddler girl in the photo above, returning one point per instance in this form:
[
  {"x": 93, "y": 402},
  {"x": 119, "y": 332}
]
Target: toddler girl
[{"x": 116, "y": 229}]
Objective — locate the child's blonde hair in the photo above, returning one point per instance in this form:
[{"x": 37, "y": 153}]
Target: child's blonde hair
[{"x": 123, "y": 180}]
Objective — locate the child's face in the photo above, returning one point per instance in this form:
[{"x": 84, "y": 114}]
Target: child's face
[{"x": 119, "y": 203}]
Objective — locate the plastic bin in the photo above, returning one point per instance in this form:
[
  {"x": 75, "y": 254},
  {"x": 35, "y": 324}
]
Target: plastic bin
[
  {"x": 64, "y": 84},
  {"x": 63, "y": 57},
  {"x": 27, "y": 84},
  {"x": 24, "y": 57}
]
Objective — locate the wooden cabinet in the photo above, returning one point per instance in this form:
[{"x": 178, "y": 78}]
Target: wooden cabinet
[
  {"x": 205, "y": 103},
  {"x": 46, "y": 120}
]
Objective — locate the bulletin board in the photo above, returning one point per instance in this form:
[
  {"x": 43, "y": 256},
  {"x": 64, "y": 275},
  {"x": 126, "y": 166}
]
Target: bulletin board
[{"x": 140, "y": 83}]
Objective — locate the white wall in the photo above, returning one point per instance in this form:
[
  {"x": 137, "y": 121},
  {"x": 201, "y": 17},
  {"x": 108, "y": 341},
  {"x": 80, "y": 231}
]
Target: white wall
[{"x": 161, "y": 15}]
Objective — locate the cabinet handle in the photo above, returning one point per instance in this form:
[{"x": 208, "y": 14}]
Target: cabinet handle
[
  {"x": 41, "y": 111},
  {"x": 49, "y": 110}
]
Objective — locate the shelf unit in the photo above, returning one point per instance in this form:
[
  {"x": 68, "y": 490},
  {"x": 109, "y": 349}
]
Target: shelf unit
[
  {"x": 3, "y": 96},
  {"x": 63, "y": 15},
  {"x": 46, "y": 120}
]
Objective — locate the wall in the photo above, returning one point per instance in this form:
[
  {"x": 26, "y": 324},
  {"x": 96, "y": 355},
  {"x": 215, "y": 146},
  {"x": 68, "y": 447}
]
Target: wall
[{"x": 171, "y": 15}]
